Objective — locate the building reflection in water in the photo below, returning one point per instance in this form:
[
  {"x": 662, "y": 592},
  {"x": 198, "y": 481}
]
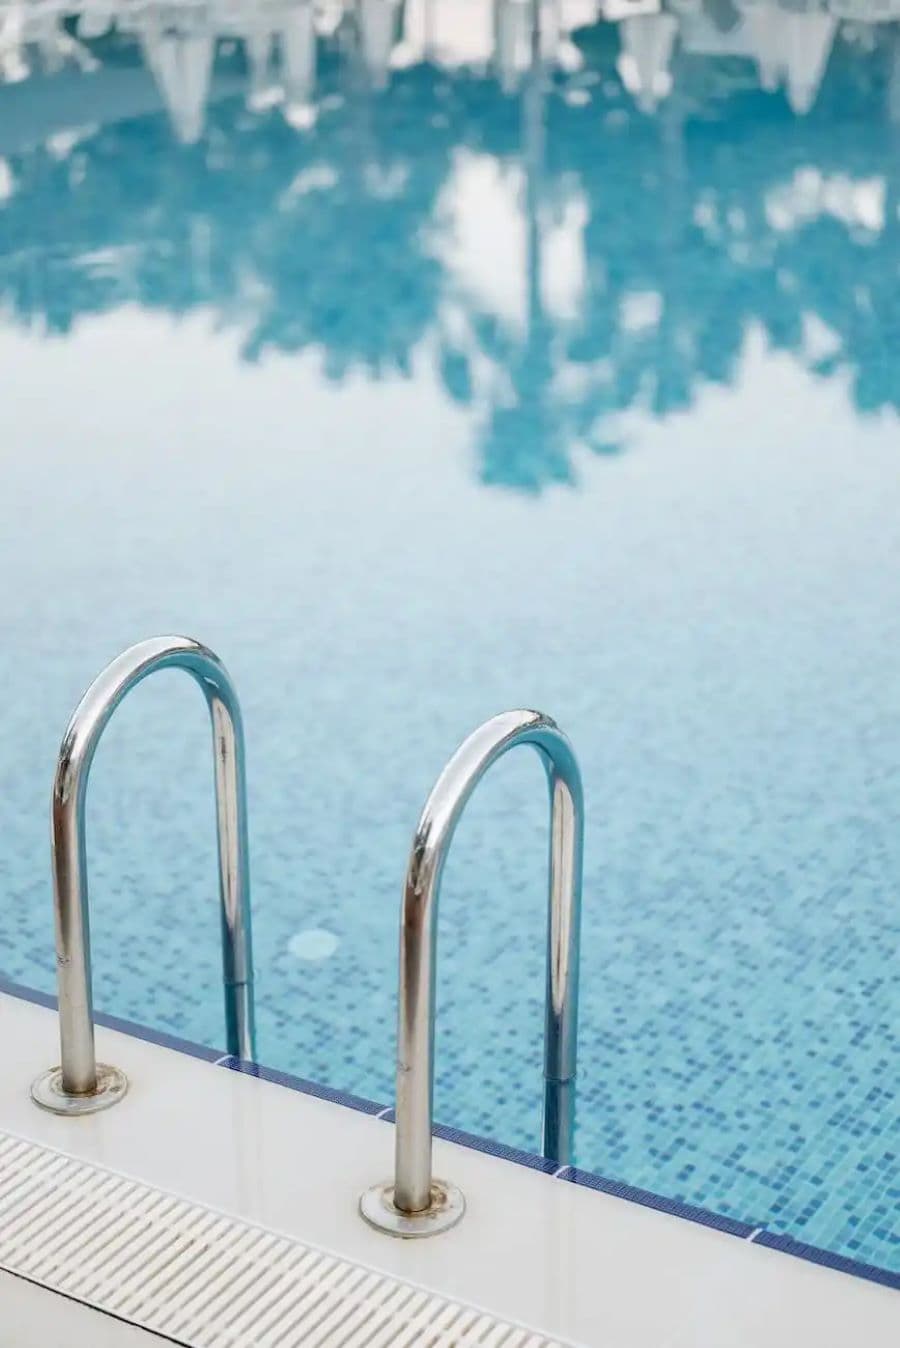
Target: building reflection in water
[{"x": 576, "y": 209}]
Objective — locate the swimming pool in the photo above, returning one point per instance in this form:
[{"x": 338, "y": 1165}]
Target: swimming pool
[{"x": 454, "y": 395}]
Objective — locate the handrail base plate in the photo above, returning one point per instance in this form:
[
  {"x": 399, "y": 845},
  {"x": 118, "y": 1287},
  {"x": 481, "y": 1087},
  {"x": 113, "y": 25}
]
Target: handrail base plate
[
  {"x": 47, "y": 1092},
  {"x": 447, "y": 1207}
]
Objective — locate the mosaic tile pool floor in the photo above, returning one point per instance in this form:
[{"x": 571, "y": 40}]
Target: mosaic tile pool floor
[{"x": 415, "y": 414}]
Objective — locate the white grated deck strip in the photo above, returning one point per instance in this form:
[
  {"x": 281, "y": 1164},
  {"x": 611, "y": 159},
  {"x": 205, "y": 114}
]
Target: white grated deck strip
[{"x": 205, "y": 1279}]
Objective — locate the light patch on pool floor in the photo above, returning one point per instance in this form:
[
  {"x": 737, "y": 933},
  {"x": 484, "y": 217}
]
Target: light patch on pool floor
[{"x": 313, "y": 944}]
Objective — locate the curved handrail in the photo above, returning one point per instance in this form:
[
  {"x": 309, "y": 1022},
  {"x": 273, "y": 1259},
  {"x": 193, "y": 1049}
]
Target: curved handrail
[
  {"x": 70, "y": 887},
  {"x": 413, "y": 1189}
]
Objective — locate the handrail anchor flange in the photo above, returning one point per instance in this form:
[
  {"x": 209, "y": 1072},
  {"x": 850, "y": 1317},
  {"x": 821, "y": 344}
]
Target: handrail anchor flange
[
  {"x": 48, "y": 1092},
  {"x": 445, "y": 1209}
]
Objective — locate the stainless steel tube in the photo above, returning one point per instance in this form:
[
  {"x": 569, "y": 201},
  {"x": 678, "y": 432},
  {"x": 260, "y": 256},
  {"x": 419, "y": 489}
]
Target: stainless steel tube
[
  {"x": 70, "y": 886},
  {"x": 418, "y": 930}
]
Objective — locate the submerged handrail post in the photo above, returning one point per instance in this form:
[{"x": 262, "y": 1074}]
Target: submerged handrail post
[
  {"x": 416, "y": 1204},
  {"x": 81, "y": 1085}
]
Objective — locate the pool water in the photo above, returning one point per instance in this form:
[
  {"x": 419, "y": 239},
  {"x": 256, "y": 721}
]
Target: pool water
[{"x": 450, "y": 393}]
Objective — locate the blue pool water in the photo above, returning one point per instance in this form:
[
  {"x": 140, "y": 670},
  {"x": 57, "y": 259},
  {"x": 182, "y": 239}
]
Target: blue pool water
[{"x": 458, "y": 394}]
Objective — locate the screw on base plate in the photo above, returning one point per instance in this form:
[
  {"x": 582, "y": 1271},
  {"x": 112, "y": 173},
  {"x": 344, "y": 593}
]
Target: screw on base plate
[
  {"x": 47, "y": 1091},
  {"x": 445, "y": 1209}
]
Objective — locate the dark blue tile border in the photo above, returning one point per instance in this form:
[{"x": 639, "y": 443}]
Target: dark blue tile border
[
  {"x": 491, "y": 1148},
  {"x": 776, "y": 1240},
  {"x": 363, "y": 1106},
  {"x": 159, "y": 1037},
  {"x": 334, "y": 1097},
  {"x": 586, "y": 1179}
]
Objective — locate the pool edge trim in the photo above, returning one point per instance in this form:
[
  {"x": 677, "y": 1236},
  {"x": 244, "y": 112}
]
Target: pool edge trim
[{"x": 780, "y": 1241}]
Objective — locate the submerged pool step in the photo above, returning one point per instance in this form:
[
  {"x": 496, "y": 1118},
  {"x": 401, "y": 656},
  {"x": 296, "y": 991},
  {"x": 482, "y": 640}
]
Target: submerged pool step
[{"x": 207, "y": 1280}]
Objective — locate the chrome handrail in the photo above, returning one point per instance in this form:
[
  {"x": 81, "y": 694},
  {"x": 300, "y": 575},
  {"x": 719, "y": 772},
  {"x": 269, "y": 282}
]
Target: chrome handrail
[
  {"x": 416, "y": 1204},
  {"x": 81, "y": 1085}
]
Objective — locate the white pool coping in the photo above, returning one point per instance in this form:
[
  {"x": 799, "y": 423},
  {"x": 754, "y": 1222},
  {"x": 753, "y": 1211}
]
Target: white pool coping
[{"x": 578, "y": 1265}]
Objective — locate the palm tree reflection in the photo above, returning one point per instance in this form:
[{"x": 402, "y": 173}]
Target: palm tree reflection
[{"x": 646, "y": 204}]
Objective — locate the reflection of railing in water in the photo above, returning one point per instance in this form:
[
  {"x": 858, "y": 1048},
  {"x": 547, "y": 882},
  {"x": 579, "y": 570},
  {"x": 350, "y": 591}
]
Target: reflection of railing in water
[{"x": 789, "y": 44}]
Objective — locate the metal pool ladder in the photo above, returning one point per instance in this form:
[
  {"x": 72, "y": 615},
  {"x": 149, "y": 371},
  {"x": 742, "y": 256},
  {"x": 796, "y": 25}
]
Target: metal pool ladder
[
  {"x": 414, "y": 1203},
  {"x": 81, "y": 1085}
]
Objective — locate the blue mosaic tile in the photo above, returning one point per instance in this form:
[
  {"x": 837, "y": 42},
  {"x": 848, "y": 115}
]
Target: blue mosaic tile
[
  {"x": 414, "y": 417},
  {"x": 568, "y": 1173}
]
